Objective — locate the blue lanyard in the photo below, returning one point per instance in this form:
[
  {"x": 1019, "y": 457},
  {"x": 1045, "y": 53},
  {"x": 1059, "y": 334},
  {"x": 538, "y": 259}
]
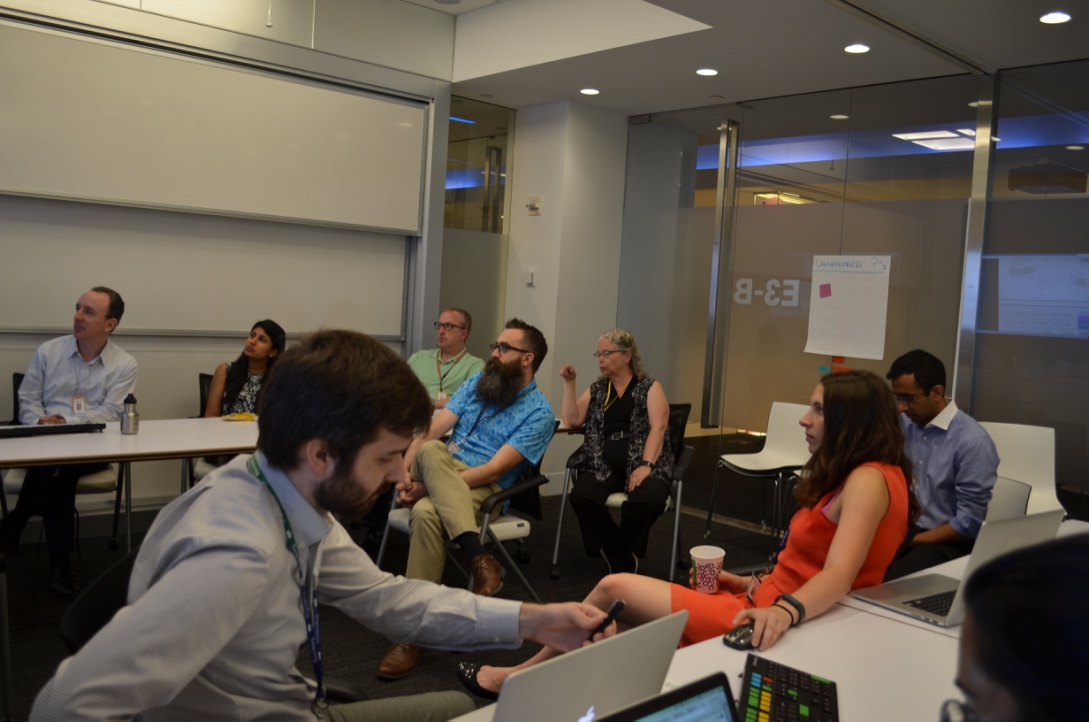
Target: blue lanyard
[{"x": 309, "y": 599}]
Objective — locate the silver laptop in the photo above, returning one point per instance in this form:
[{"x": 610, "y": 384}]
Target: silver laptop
[
  {"x": 592, "y": 681},
  {"x": 926, "y": 596}
]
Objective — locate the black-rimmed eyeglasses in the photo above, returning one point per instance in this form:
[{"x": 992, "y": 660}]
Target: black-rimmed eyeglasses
[
  {"x": 907, "y": 399},
  {"x": 502, "y": 347},
  {"x": 606, "y": 354},
  {"x": 447, "y": 326}
]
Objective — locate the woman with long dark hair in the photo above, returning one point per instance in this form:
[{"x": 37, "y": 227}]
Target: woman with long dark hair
[
  {"x": 236, "y": 386},
  {"x": 854, "y": 509}
]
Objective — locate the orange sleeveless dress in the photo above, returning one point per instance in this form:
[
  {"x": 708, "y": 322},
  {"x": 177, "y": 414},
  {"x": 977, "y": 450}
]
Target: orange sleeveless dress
[{"x": 810, "y": 538}]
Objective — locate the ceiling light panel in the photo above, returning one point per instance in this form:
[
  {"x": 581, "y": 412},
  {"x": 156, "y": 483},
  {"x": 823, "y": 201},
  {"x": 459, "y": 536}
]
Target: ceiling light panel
[{"x": 925, "y": 135}]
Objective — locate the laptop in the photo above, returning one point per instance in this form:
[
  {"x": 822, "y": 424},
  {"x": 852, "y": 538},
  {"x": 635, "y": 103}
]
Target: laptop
[
  {"x": 936, "y": 598},
  {"x": 705, "y": 700},
  {"x": 591, "y": 681},
  {"x": 16, "y": 432}
]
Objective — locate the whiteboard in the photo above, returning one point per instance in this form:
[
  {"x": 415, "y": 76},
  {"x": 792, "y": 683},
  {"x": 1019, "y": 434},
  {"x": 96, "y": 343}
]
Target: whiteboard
[
  {"x": 89, "y": 119},
  {"x": 193, "y": 274}
]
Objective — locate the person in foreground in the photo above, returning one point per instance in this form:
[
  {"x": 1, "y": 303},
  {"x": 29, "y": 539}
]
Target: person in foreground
[
  {"x": 227, "y": 584},
  {"x": 498, "y": 421},
  {"x": 854, "y": 511},
  {"x": 1024, "y": 646},
  {"x": 236, "y": 386},
  {"x": 627, "y": 449},
  {"x": 77, "y": 379}
]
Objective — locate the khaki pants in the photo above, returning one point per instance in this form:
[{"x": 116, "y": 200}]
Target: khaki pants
[{"x": 450, "y": 509}]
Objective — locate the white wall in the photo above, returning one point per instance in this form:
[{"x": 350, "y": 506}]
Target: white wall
[
  {"x": 573, "y": 156},
  {"x": 169, "y": 364}
]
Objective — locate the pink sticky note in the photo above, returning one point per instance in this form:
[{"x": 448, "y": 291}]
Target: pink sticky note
[{"x": 826, "y": 290}]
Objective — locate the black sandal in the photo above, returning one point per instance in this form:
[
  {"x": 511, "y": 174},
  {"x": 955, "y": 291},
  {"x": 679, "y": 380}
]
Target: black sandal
[{"x": 467, "y": 672}]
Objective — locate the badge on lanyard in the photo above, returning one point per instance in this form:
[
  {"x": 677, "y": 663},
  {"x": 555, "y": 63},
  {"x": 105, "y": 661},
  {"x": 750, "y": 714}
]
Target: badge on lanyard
[
  {"x": 79, "y": 404},
  {"x": 440, "y": 396}
]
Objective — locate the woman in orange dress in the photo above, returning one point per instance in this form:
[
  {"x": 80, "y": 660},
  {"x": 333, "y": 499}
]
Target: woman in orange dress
[{"x": 855, "y": 507}]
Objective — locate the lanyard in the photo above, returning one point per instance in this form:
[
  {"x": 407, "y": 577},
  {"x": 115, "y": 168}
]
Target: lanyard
[
  {"x": 438, "y": 365},
  {"x": 309, "y": 599}
]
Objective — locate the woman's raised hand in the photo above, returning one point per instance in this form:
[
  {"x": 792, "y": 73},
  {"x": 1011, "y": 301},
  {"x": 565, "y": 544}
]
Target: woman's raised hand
[{"x": 567, "y": 373}]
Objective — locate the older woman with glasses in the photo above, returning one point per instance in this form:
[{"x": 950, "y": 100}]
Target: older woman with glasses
[{"x": 625, "y": 414}]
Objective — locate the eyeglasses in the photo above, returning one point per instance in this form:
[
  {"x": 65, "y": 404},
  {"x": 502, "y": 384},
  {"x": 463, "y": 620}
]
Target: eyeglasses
[
  {"x": 606, "y": 354},
  {"x": 502, "y": 347},
  {"x": 447, "y": 326},
  {"x": 953, "y": 710},
  {"x": 907, "y": 399}
]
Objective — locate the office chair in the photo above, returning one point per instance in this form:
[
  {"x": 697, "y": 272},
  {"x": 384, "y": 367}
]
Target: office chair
[
  {"x": 1027, "y": 454},
  {"x": 106, "y": 594},
  {"x": 785, "y": 452},
  {"x": 678, "y": 420},
  {"x": 524, "y": 497},
  {"x": 99, "y": 482},
  {"x": 197, "y": 467}
]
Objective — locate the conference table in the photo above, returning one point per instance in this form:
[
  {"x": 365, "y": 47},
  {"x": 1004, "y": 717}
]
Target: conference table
[
  {"x": 157, "y": 440},
  {"x": 887, "y": 666}
]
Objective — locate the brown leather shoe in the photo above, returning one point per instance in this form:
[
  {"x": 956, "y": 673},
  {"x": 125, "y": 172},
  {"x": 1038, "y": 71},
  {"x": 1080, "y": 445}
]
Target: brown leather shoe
[
  {"x": 487, "y": 575},
  {"x": 400, "y": 660}
]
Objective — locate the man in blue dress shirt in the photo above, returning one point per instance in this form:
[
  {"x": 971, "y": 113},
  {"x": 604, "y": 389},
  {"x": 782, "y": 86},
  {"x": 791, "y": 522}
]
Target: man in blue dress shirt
[
  {"x": 82, "y": 378},
  {"x": 954, "y": 462},
  {"x": 498, "y": 421}
]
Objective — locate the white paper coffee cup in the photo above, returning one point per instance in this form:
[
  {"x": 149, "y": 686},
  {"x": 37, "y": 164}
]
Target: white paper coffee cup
[{"x": 706, "y": 564}]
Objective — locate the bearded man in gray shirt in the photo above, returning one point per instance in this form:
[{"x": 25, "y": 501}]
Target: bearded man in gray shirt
[{"x": 227, "y": 584}]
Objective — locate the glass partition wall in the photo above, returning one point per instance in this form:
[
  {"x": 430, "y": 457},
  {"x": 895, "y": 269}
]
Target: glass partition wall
[
  {"x": 882, "y": 170},
  {"x": 1032, "y": 337}
]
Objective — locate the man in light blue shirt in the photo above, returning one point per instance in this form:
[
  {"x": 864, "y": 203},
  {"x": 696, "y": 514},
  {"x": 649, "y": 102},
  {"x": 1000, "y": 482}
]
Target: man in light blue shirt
[
  {"x": 954, "y": 462},
  {"x": 498, "y": 421},
  {"x": 82, "y": 378}
]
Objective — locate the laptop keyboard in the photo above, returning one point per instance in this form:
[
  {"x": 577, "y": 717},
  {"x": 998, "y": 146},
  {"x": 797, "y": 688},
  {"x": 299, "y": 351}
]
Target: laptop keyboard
[
  {"x": 935, "y": 603},
  {"x": 771, "y": 692}
]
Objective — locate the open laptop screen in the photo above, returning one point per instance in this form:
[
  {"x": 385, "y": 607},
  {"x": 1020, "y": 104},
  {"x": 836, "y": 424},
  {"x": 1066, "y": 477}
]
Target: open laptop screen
[{"x": 705, "y": 700}]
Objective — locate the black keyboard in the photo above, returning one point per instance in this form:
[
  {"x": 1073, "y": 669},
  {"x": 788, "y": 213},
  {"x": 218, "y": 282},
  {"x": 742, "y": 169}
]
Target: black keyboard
[
  {"x": 17, "y": 432},
  {"x": 935, "y": 603},
  {"x": 771, "y": 692}
]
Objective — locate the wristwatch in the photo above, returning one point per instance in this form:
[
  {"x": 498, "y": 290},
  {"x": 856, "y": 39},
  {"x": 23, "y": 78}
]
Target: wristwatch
[{"x": 644, "y": 462}]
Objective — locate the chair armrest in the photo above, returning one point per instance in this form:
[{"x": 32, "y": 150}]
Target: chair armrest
[{"x": 521, "y": 487}]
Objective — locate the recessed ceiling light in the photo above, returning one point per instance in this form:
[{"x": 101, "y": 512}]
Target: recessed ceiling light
[
  {"x": 967, "y": 131},
  {"x": 707, "y": 71},
  {"x": 715, "y": 97},
  {"x": 974, "y": 104},
  {"x": 1075, "y": 147},
  {"x": 925, "y": 135},
  {"x": 589, "y": 91},
  {"x": 947, "y": 143},
  {"x": 1055, "y": 18},
  {"x": 857, "y": 48},
  {"x": 839, "y": 117}
]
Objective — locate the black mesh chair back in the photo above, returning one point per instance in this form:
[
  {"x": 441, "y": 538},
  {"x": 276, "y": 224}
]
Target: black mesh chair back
[{"x": 205, "y": 382}]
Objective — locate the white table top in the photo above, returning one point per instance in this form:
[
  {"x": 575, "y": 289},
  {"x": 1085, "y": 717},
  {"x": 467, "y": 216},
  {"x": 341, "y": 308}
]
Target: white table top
[
  {"x": 157, "y": 439},
  {"x": 883, "y": 670}
]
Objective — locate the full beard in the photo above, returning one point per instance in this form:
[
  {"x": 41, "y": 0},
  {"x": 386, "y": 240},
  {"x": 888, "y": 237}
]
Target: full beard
[
  {"x": 341, "y": 494},
  {"x": 500, "y": 383}
]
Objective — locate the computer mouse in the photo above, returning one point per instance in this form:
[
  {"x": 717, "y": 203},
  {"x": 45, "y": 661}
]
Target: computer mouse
[{"x": 740, "y": 637}]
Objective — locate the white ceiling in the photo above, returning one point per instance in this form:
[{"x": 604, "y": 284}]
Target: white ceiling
[{"x": 762, "y": 48}]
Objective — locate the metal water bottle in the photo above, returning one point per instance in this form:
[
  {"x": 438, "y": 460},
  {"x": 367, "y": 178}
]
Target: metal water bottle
[{"x": 130, "y": 420}]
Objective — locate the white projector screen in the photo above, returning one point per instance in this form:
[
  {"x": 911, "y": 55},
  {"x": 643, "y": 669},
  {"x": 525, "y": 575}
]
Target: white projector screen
[{"x": 95, "y": 120}]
